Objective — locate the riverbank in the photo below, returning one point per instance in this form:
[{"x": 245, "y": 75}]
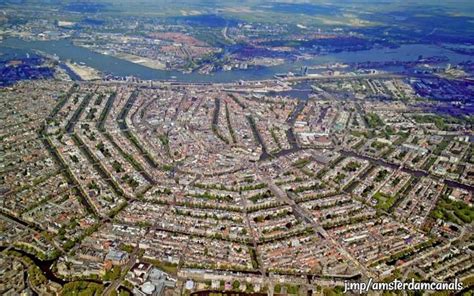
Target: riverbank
[
  {"x": 84, "y": 72},
  {"x": 146, "y": 62}
]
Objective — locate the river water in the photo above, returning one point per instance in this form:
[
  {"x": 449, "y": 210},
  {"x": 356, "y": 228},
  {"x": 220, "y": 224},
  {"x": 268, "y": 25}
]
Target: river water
[{"x": 64, "y": 49}]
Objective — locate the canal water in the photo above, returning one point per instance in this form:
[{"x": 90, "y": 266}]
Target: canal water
[
  {"x": 45, "y": 266},
  {"x": 66, "y": 50}
]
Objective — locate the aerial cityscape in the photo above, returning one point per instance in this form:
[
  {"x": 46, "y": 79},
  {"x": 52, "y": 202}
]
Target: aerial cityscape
[{"x": 249, "y": 147}]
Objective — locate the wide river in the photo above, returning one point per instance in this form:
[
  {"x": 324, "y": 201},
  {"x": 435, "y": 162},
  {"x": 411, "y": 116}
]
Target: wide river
[{"x": 65, "y": 50}]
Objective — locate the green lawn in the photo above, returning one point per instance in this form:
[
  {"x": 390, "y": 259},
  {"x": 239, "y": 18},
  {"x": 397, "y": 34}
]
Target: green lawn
[{"x": 384, "y": 202}]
